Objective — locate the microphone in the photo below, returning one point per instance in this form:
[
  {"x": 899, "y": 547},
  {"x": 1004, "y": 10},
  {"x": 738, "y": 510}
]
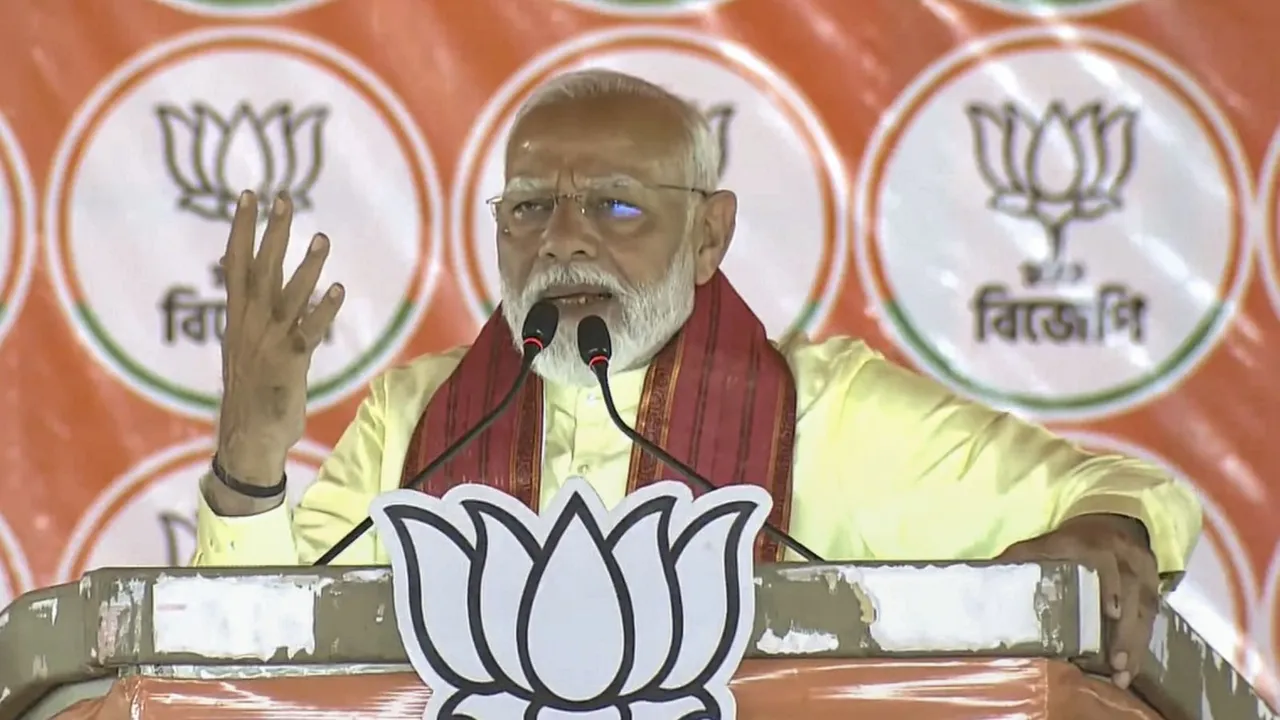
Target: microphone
[
  {"x": 595, "y": 347},
  {"x": 538, "y": 332}
]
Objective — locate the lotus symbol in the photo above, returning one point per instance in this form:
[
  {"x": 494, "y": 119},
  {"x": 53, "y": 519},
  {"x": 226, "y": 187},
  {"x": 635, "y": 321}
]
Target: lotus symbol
[
  {"x": 1062, "y": 167},
  {"x": 179, "y": 532},
  {"x": 639, "y": 613},
  {"x": 212, "y": 158},
  {"x": 720, "y": 117}
]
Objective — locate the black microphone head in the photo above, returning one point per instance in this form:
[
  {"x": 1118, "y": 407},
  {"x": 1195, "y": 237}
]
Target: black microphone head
[
  {"x": 594, "y": 344},
  {"x": 540, "y": 326}
]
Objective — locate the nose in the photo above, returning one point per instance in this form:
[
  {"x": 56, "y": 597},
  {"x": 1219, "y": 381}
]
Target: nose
[{"x": 568, "y": 235}]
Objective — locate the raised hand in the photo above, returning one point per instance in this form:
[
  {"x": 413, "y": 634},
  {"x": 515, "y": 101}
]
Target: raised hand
[{"x": 272, "y": 331}]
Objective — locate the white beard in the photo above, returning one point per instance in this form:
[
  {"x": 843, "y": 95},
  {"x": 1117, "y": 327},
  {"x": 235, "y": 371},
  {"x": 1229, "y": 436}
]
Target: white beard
[{"x": 650, "y": 316}]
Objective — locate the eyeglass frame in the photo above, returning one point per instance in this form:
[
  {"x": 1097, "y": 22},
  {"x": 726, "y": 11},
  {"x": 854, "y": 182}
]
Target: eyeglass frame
[{"x": 579, "y": 197}]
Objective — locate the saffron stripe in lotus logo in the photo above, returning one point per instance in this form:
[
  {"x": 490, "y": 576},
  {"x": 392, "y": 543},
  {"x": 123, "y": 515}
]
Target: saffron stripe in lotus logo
[{"x": 643, "y": 612}]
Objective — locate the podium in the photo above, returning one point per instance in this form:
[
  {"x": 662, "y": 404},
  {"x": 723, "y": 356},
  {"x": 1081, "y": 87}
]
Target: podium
[{"x": 907, "y": 641}]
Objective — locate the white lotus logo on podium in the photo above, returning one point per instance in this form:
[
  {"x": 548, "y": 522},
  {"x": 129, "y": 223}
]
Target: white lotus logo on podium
[{"x": 642, "y": 612}]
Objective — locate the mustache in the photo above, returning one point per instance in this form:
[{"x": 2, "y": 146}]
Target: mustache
[{"x": 560, "y": 275}]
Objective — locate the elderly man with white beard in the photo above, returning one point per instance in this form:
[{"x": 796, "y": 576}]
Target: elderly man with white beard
[{"x": 612, "y": 207}]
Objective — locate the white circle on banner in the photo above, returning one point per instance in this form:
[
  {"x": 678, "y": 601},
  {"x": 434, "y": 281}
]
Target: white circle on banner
[
  {"x": 1267, "y": 629},
  {"x": 1055, "y": 8},
  {"x": 15, "y": 573},
  {"x": 1217, "y": 595},
  {"x": 788, "y": 256},
  {"x": 648, "y": 8},
  {"x": 256, "y": 9},
  {"x": 147, "y": 517},
  {"x": 1006, "y": 234},
  {"x": 17, "y": 228},
  {"x": 136, "y": 264},
  {"x": 1269, "y": 220}
]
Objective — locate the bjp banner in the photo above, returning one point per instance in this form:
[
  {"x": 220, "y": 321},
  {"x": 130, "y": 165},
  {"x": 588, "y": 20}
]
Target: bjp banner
[{"x": 1066, "y": 209}]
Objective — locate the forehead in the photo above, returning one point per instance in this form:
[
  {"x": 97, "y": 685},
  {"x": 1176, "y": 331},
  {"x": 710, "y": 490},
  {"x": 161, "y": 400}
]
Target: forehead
[{"x": 598, "y": 137}]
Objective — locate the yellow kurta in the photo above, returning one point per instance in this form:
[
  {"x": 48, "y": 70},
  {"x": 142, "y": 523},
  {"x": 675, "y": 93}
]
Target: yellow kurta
[{"x": 889, "y": 465}]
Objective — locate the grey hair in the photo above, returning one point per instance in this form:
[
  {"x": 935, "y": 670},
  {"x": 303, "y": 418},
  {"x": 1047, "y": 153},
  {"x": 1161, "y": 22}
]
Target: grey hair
[{"x": 702, "y": 163}]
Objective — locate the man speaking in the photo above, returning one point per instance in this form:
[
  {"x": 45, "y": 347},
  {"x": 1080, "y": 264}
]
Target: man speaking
[{"x": 612, "y": 208}]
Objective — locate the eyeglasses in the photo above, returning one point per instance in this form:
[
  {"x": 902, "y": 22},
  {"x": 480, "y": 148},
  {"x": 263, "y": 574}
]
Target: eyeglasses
[{"x": 608, "y": 209}]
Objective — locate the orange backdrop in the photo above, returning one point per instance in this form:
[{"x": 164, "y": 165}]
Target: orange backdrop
[{"x": 1063, "y": 208}]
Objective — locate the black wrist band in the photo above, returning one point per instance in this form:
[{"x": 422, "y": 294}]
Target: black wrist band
[{"x": 253, "y": 491}]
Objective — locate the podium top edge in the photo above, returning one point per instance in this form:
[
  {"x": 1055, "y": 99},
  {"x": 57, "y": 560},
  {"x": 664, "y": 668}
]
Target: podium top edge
[{"x": 119, "y": 618}]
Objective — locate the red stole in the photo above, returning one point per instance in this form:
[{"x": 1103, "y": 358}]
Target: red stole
[{"x": 719, "y": 397}]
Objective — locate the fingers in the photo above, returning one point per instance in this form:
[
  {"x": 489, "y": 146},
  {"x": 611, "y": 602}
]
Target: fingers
[
  {"x": 1140, "y": 601},
  {"x": 1112, "y": 591},
  {"x": 297, "y": 293},
  {"x": 1104, "y": 563},
  {"x": 268, "y": 267},
  {"x": 311, "y": 329},
  {"x": 1025, "y": 551},
  {"x": 260, "y": 277},
  {"x": 1124, "y": 658},
  {"x": 1128, "y": 579},
  {"x": 239, "y": 256}
]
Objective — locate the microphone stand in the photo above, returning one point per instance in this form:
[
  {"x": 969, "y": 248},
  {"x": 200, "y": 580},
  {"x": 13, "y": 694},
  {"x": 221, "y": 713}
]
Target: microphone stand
[
  {"x": 539, "y": 330},
  {"x": 595, "y": 347},
  {"x": 444, "y": 457}
]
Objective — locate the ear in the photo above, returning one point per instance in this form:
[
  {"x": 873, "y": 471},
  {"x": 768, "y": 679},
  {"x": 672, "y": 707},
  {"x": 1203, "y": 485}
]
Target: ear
[{"x": 719, "y": 217}]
